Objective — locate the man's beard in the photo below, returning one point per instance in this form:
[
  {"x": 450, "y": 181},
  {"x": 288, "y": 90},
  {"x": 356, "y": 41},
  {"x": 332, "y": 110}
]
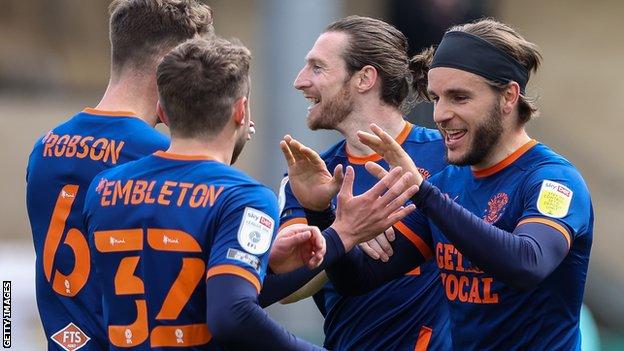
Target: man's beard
[
  {"x": 485, "y": 137},
  {"x": 334, "y": 111},
  {"x": 238, "y": 148}
]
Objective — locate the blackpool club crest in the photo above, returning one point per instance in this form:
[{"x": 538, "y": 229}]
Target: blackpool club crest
[{"x": 496, "y": 206}]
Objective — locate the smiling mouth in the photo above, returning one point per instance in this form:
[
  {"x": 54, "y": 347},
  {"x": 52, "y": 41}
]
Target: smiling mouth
[
  {"x": 313, "y": 102},
  {"x": 454, "y": 134}
]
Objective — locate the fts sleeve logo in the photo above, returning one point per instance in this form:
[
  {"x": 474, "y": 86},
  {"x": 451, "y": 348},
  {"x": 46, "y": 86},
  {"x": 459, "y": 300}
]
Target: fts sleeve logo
[
  {"x": 255, "y": 231},
  {"x": 554, "y": 199}
]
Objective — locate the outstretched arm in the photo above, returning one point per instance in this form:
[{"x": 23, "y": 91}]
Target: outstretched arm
[
  {"x": 237, "y": 322},
  {"x": 521, "y": 259}
]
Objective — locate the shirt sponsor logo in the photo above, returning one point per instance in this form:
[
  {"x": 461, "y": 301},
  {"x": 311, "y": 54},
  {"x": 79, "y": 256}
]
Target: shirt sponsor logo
[
  {"x": 462, "y": 281},
  {"x": 114, "y": 241},
  {"x": 238, "y": 255},
  {"x": 70, "y": 338},
  {"x": 168, "y": 240},
  {"x": 255, "y": 231},
  {"x": 554, "y": 199},
  {"x": 66, "y": 194}
]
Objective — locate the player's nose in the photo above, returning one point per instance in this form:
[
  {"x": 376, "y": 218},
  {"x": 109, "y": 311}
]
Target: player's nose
[
  {"x": 442, "y": 113},
  {"x": 302, "y": 81}
]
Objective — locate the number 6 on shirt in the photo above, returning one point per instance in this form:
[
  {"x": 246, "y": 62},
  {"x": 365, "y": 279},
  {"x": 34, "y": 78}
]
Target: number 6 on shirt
[{"x": 71, "y": 284}]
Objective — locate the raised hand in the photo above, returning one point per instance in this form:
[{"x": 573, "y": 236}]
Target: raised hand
[
  {"x": 383, "y": 144},
  {"x": 311, "y": 183},
  {"x": 296, "y": 246},
  {"x": 361, "y": 218}
]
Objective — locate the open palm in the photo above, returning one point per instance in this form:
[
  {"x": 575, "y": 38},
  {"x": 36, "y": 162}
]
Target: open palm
[
  {"x": 311, "y": 183},
  {"x": 383, "y": 144}
]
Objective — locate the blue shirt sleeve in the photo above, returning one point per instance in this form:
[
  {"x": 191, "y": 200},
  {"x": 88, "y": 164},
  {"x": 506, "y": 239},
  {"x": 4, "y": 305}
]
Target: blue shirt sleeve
[
  {"x": 521, "y": 259},
  {"x": 245, "y": 232},
  {"x": 238, "y": 323},
  {"x": 556, "y": 195}
]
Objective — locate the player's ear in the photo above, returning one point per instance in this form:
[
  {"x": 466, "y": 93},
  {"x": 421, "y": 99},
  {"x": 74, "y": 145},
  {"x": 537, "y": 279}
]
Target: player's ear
[
  {"x": 366, "y": 78},
  {"x": 510, "y": 96},
  {"x": 162, "y": 115},
  {"x": 240, "y": 110}
]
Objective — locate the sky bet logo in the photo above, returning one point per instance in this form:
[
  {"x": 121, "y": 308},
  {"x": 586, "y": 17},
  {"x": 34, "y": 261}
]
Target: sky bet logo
[
  {"x": 6, "y": 314},
  {"x": 266, "y": 222}
]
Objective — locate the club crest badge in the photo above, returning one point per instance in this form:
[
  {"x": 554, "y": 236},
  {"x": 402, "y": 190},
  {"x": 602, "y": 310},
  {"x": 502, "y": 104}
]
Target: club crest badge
[{"x": 496, "y": 206}]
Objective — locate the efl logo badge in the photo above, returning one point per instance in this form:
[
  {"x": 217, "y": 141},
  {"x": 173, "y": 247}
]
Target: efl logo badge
[
  {"x": 71, "y": 338},
  {"x": 255, "y": 231},
  {"x": 554, "y": 199}
]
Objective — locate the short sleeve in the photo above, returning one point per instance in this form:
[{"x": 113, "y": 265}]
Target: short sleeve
[
  {"x": 556, "y": 195},
  {"x": 244, "y": 234}
]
